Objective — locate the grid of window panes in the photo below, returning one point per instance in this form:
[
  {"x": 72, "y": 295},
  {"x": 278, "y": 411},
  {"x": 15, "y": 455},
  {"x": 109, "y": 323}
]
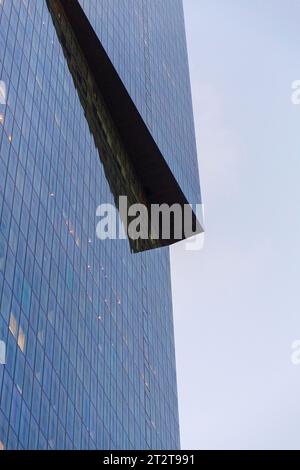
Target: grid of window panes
[
  {"x": 145, "y": 40},
  {"x": 88, "y": 325}
]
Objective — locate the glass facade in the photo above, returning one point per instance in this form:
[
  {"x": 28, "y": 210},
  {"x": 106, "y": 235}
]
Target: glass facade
[
  {"x": 88, "y": 327},
  {"x": 145, "y": 40}
]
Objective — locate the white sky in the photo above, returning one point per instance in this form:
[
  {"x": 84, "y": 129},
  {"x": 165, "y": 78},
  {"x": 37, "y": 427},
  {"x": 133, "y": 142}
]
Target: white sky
[{"x": 237, "y": 302}]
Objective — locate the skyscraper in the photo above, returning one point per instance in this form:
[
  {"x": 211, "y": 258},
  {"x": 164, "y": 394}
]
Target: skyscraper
[{"x": 98, "y": 105}]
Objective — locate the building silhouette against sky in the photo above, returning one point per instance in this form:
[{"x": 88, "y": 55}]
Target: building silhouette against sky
[{"x": 98, "y": 105}]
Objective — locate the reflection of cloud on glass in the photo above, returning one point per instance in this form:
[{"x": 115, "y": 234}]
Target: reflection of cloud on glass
[{"x": 2, "y": 92}]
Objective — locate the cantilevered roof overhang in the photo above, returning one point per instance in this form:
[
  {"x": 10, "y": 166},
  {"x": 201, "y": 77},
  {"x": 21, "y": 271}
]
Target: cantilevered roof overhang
[{"x": 153, "y": 173}]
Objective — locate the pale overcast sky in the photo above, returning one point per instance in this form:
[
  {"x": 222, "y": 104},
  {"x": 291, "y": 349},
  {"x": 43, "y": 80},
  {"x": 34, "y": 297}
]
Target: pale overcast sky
[{"x": 237, "y": 302}]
